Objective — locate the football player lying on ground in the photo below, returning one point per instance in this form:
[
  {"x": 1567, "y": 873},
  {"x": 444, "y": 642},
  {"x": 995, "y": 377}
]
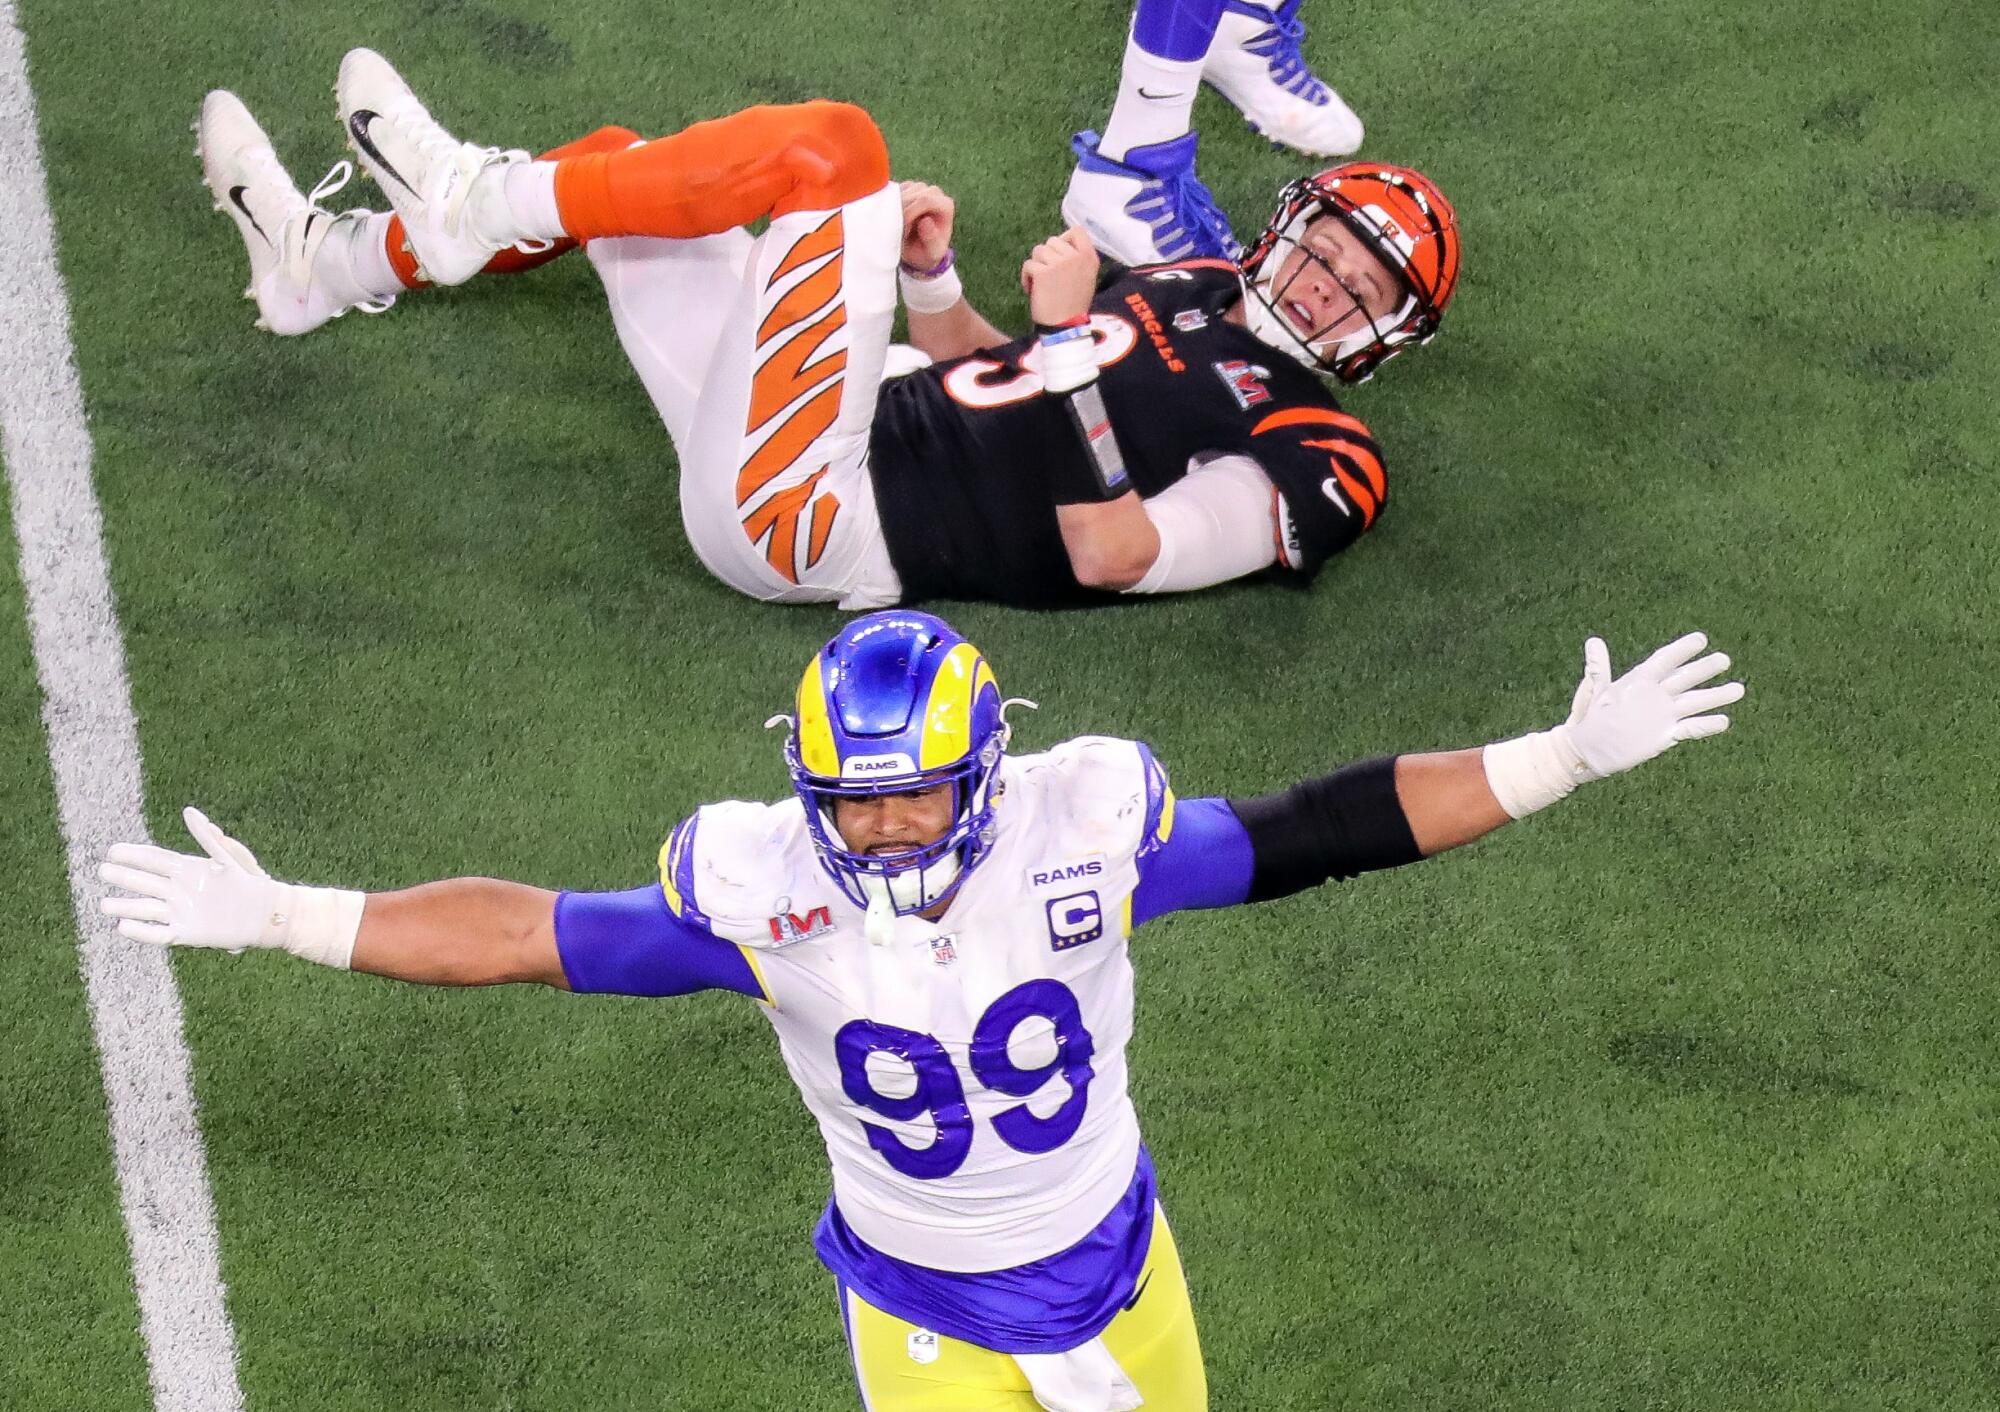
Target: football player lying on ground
[
  {"x": 938, "y": 931},
  {"x": 1135, "y": 189},
  {"x": 1172, "y": 434}
]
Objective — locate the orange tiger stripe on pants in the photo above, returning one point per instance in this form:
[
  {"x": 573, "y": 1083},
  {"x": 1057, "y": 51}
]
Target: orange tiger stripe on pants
[{"x": 784, "y": 375}]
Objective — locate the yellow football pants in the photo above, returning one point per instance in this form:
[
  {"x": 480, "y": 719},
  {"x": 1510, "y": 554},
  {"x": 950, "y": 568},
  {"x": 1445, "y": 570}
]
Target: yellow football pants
[{"x": 1153, "y": 1340}]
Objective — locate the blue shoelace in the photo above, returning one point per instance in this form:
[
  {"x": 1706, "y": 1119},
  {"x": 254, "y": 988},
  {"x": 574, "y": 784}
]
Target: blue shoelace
[
  {"x": 1184, "y": 218},
  {"x": 1279, "y": 46}
]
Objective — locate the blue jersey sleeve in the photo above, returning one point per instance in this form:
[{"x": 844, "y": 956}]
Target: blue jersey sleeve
[
  {"x": 631, "y": 943},
  {"x": 1198, "y": 856}
]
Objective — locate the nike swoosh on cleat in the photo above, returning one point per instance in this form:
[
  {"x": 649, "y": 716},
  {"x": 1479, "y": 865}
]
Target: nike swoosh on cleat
[
  {"x": 358, "y": 125},
  {"x": 1144, "y": 94},
  {"x": 236, "y": 200},
  {"x": 1133, "y": 1302}
]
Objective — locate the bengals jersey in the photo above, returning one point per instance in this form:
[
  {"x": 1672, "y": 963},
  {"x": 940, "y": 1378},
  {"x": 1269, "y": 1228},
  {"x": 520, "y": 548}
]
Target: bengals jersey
[{"x": 963, "y": 453}]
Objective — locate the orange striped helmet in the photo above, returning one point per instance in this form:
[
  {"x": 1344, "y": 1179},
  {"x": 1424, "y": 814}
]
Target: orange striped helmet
[{"x": 1403, "y": 218}]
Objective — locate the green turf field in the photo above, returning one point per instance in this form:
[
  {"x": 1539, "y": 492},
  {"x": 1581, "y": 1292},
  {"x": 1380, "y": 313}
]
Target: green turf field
[{"x": 1682, "y": 1095}]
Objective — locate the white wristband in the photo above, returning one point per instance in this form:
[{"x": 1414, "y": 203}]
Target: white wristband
[
  {"x": 1069, "y": 359},
  {"x": 930, "y": 296},
  {"x": 1531, "y": 772},
  {"x": 319, "y": 923}
]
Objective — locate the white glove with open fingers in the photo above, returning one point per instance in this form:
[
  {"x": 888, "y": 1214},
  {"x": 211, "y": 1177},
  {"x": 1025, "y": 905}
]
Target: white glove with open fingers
[
  {"x": 224, "y": 900},
  {"x": 1614, "y": 725}
]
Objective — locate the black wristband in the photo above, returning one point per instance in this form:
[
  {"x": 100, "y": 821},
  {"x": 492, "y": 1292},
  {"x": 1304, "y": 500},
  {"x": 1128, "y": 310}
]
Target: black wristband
[
  {"x": 1341, "y": 824},
  {"x": 1099, "y": 474}
]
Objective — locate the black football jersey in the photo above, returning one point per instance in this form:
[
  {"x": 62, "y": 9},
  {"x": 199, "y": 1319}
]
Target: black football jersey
[{"x": 962, "y": 452}]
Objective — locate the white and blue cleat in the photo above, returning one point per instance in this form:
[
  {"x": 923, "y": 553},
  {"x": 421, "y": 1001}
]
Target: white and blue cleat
[
  {"x": 1148, "y": 207},
  {"x": 1256, "y": 62}
]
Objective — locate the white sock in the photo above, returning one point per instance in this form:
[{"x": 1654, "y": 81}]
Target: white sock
[
  {"x": 359, "y": 253},
  {"x": 531, "y": 196},
  {"x": 516, "y": 202},
  {"x": 1155, "y": 101},
  {"x": 352, "y": 265}
]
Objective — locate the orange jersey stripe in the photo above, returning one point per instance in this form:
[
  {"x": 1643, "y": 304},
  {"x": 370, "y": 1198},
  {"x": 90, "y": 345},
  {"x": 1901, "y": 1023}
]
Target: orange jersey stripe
[
  {"x": 1358, "y": 492},
  {"x": 786, "y": 374},
  {"x": 1309, "y": 416},
  {"x": 1294, "y": 417},
  {"x": 1359, "y": 458},
  {"x": 787, "y": 443}
]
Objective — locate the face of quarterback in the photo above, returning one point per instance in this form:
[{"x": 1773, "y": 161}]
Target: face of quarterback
[
  {"x": 1332, "y": 284},
  {"x": 885, "y": 824}
]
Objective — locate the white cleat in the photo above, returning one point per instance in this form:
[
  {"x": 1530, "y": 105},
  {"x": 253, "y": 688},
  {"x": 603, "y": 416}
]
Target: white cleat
[
  {"x": 1147, "y": 207},
  {"x": 427, "y": 174},
  {"x": 1256, "y": 63},
  {"x": 283, "y": 230}
]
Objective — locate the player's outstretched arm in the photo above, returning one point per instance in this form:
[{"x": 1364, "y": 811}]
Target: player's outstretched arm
[
  {"x": 466, "y": 931},
  {"x": 1394, "y": 810}
]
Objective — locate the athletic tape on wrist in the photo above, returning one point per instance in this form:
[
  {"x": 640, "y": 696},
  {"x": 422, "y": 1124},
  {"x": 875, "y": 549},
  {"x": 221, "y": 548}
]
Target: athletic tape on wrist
[
  {"x": 321, "y": 924},
  {"x": 1531, "y": 772},
  {"x": 1068, "y": 357},
  {"x": 930, "y": 296}
]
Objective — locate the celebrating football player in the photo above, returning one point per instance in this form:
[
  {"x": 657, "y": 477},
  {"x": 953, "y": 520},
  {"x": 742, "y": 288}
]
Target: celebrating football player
[
  {"x": 1167, "y": 433},
  {"x": 937, "y": 931},
  {"x": 1134, "y": 189}
]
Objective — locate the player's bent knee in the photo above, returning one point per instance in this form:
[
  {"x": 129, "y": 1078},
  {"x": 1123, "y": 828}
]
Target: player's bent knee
[
  {"x": 837, "y": 155},
  {"x": 852, "y": 131}
]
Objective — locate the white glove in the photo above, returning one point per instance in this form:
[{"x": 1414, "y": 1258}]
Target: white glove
[
  {"x": 1614, "y": 725},
  {"x": 224, "y": 900}
]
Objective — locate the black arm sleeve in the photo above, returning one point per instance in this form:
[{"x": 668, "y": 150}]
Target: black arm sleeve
[{"x": 1348, "y": 822}]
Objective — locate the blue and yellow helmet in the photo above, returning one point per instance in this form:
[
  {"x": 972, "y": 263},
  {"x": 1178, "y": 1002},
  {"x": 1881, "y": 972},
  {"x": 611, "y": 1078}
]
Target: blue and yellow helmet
[{"x": 898, "y": 701}]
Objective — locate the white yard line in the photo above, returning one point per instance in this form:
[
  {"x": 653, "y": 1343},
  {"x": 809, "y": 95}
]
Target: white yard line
[{"x": 135, "y": 1009}]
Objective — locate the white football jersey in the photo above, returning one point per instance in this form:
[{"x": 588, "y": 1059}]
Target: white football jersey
[{"x": 969, "y": 1077}]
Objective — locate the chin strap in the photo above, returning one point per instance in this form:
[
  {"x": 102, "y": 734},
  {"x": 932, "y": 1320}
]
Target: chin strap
[
  {"x": 892, "y": 896},
  {"x": 879, "y": 925}
]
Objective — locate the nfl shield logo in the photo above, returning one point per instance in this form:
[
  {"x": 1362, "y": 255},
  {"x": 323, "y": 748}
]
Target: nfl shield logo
[
  {"x": 943, "y": 949},
  {"x": 923, "y": 1346}
]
